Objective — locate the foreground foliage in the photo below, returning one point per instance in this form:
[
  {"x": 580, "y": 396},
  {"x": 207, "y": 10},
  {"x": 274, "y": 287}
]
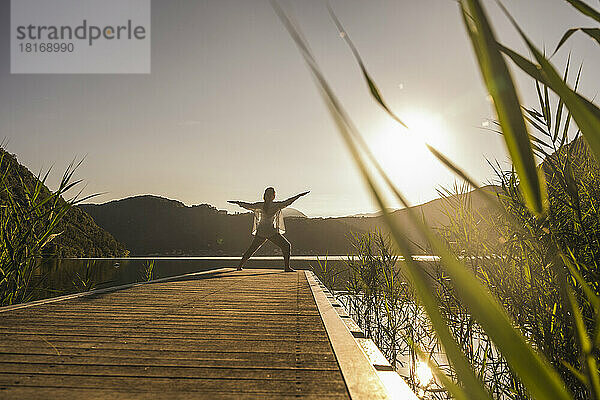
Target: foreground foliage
[
  {"x": 80, "y": 237},
  {"x": 536, "y": 375},
  {"x": 29, "y": 218}
]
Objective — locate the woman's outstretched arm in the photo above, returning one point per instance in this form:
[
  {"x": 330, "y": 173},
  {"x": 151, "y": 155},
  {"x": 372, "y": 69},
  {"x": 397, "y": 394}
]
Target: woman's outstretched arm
[
  {"x": 289, "y": 201},
  {"x": 243, "y": 204}
]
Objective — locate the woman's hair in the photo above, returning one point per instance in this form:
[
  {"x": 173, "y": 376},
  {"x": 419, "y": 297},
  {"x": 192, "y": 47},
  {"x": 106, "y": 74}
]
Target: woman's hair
[{"x": 269, "y": 194}]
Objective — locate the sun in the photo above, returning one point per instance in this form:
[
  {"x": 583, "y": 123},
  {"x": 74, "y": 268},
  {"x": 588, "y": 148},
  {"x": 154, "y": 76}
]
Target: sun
[
  {"x": 403, "y": 152},
  {"x": 423, "y": 373}
]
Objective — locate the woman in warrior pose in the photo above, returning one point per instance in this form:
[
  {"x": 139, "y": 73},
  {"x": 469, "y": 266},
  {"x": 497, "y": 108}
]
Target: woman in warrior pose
[{"x": 268, "y": 225}]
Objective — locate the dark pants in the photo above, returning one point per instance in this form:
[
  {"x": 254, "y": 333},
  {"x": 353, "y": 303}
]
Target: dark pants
[{"x": 258, "y": 241}]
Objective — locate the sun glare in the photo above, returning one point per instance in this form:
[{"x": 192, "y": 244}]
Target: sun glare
[
  {"x": 423, "y": 372},
  {"x": 402, "y": 152}
]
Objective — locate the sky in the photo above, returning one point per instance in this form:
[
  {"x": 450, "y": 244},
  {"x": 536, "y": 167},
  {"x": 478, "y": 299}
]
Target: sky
[{"x": 230, "y": 108}]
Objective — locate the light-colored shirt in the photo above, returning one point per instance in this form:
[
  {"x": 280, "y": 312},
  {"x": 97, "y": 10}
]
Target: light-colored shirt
[{"x": 268, "y": 222}]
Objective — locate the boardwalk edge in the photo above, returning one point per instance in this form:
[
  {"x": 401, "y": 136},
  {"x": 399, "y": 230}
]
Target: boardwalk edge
[{"x": 367, "y": 373}]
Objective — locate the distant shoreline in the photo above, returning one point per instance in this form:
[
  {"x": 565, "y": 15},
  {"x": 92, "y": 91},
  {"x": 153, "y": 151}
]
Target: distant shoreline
[{"x": 227, "y": 258}]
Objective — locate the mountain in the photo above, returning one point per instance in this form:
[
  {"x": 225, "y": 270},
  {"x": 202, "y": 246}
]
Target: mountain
[
  {"x": 293, "y": 213},
  {"x": 433, "y": 213},
  {"x": 81, "y": 236},
  {"x": 372, "y": 214},
  {"x": 152, "y": 225},
  {"x": 155, "y": 225}
]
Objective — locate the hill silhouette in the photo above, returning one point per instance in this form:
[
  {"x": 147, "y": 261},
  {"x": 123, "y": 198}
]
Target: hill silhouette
[
  {"x": 80, "y": 237},
  {"x": 153, "y": 225},
  {"x": 433, "y": 213}
]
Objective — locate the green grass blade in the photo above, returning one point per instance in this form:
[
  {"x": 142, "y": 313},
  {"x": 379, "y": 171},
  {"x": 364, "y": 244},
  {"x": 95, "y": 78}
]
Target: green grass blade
[
  {"x": 500, "y": 85},
  {"x": 523, "y": 63},
  {"x": 584, "y": 113},
  {"x": 584, "y": 340},
  {"x": 536, "y": 125},
  {"x": 585, "y": 9},
  {"x": 577, "y": 374},
  {"x": 547, "y": 109},
  {"x": 559, "y": 108},
  {"x": 591, "y": 367},
  {"x": 590, "y": 295},
  {"x": 564, "y": 38},
  {"x": 372, "y": 86},
  {"x": 473, "y": 386},
  {"x": 594, "y": 33},
  {"x": 452, "y": 166}
]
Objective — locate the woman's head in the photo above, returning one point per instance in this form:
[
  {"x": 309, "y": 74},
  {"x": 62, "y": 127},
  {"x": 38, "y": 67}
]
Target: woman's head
[{"x": 269, "y": 194}]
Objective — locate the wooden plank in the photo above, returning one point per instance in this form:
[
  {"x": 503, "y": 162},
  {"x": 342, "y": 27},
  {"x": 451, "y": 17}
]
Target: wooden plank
[
  {"x": 249, "y": 334},
  {"x": 172, "y": 371},
  {"x": 101, "y": 291},
  {"x": 203, "y": 387},
  {"x": 145, "y": 332},
  {"x": 19, "y": 393},
  {"x": 217, "y": 360},
  {"x": 206, "y": 357}
]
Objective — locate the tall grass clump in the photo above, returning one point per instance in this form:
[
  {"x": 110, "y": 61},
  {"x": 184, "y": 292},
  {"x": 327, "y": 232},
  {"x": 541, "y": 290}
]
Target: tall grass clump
[
  {"x": 85, "y": 280},
  {"x": 537, "y": 262},
  {"x": 29, "y": 217},
  {"x": 379, "y": 298},
  {"x": 147, "y": 271},
  {"x": 536, "y": 374},
  {"x": 376, "y": 295},
  {"x": 326, "y": 273}
]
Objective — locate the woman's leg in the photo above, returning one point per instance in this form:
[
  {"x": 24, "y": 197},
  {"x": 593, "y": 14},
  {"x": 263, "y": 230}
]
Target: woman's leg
[
  {"x": 256, "y": 243},
  {"x": 286, "y": 248}
]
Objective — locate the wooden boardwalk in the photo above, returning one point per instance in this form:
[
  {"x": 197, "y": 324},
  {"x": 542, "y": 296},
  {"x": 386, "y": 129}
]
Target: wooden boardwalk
[{"x": 218, "y": 335}]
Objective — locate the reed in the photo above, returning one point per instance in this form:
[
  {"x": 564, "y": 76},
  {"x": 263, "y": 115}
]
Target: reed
[
  {"x": 29, "y": 217},
  {"x": 147, "y": 271},
  {"x": 483, "y": 310},
  {"x": 85, "y": 280}
]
